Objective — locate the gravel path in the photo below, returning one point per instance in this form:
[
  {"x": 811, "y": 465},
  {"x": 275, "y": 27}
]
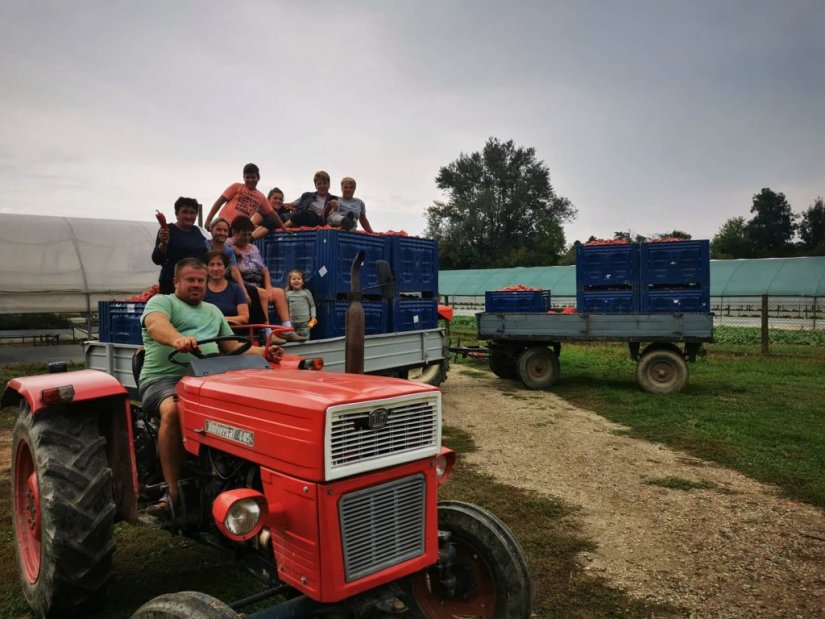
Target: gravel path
[{"x": 737, "y": 550}]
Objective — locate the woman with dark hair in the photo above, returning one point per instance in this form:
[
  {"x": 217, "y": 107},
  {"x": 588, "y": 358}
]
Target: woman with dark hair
[
  {"x": 182, "y": 239},
  {"x": 257, "y": 278},
  {"x": 227, "y": 296}
]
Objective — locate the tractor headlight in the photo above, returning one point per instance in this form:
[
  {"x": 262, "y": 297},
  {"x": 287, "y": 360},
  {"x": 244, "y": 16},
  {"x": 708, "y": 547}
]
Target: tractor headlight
[
  {"x": 239, "y": 514},
  {"x": 243, "y": 516},
  {"x": 444, "y": 462}
]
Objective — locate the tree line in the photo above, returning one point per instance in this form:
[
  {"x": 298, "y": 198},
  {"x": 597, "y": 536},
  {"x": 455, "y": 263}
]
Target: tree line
[{"x": 501, "y": 211}]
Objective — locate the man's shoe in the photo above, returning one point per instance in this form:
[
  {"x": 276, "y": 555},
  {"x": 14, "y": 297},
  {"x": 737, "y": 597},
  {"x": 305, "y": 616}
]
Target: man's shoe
[
  {"x": 163, "y": 510},
  {"x": 348, "y": 223}
]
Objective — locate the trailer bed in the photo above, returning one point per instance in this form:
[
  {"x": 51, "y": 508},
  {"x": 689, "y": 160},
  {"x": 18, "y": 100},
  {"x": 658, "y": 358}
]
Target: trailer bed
[{"x": 596, "y": 327}]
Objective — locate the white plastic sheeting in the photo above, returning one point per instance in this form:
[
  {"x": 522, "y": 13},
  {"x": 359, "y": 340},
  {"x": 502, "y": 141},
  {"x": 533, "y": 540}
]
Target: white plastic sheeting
[{"x": 68, "y": 264}]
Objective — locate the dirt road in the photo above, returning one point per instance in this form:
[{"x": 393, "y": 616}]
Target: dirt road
[{"x": 736, "y": 550}]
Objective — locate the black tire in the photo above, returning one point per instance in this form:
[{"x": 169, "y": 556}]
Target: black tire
[
  {"x": 538, "y": 368},
  {"x": 185, "y": 605},
  {"x": 63, "y": 510},
  {"x": 662, "y": 370},
  {"x": 502, "y": 364},
  {"x": 493, "y": 577},
  {"x": 433, "y": 374}
]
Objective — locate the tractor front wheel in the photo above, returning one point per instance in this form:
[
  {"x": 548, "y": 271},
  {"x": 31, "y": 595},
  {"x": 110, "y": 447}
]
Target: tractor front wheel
[
  {"x": 185, "y": 605},
  {"x": 63, "y": 510},
  {"x": 488, "y": 576}
]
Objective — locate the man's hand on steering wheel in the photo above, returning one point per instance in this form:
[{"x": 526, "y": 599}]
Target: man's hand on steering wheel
[{"x": 185, "y": 344}]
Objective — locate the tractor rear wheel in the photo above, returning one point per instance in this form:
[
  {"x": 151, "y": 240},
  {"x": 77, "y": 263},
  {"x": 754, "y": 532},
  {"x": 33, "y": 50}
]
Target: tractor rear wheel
[
  {"x": 492, "y": 578},
  {"x": 63, "y": 510},
  {"x": 185, "y": 605}
]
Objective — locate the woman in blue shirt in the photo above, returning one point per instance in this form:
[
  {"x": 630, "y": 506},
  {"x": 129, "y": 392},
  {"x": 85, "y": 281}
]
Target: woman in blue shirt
[{"x": 226, "y": 295}]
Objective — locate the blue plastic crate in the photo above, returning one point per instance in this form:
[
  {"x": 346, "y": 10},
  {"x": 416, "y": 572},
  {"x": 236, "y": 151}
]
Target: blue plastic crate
[
  {"x": 414, "y": 263},
  {"x": 414, "y": 314},
  {"x": 677, "y": 263},
  {"x": 332, "y": 316},
  {"x": 601, "y": 267},
  {"x": 120, "y": 321},
  {"x": 607, "y": 302},
  {"x": 527, "y": 301},
  {"x": 675, "y": 301},
  {"x": 325, "y": 257}
]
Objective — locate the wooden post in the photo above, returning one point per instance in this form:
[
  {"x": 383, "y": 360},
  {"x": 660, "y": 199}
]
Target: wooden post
[
  {"x": 765, "y": 324},
  {"x": 814, "y": 314}
]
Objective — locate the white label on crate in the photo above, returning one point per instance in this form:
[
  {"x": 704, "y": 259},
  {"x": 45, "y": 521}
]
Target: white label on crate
[
  {"x": 415, "y": 319},
  {"x": 322, "y": 271}
]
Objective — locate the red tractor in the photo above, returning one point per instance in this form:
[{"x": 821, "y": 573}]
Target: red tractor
[{"x": 327, "y": 480}]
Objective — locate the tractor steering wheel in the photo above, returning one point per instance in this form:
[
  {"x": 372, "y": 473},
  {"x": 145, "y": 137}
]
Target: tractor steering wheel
[{"x": 245, "y": 345}]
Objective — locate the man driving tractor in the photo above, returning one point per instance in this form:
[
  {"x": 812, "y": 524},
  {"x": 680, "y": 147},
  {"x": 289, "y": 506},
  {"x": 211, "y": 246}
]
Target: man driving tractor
[{"x": 177, "y": 322}]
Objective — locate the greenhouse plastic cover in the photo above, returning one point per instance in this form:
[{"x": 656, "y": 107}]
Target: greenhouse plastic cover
[
  {"x": 744, "y": 278},
  {"x": 68, "y": 264}
]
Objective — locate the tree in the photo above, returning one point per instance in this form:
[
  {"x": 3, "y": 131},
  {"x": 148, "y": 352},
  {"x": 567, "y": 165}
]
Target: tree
[
  {"x": 772, "y": 228},
  {"x": 629, "y": 237},
  {"x": 501, "y": 210},
  {"x": 812, "y": 229},
  {"x": 732, "y": 240},
  {"x": 674, "y": 234}
]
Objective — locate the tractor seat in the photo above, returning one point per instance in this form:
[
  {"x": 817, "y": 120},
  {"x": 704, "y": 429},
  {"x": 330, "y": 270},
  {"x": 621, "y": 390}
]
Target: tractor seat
[{"x": 137, "y": 364}]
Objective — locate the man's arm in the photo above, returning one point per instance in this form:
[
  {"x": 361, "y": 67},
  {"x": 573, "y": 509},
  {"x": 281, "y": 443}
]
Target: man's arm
[
  {"x": 163, "y": 332},
  {"x": 214, "y": 211},
  {"x": 276, "y": 353},
  {"x": 365, "y": 224}
]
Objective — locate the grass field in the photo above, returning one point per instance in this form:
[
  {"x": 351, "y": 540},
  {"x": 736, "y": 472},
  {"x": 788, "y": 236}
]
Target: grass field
[{"x": 761, "y": 415}]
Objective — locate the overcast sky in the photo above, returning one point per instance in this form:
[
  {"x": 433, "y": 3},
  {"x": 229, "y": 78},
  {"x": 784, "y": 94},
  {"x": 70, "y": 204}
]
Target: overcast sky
[{"x": 651, "y": 115}]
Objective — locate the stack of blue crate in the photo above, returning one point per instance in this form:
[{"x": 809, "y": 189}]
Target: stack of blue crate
[
  {"x": 675, "y": 277},
  {"x": 414, "y": 263},
  {"x": 648, "y": 278},
  {"x": 120, "y": 321},
  {"x": 607, "y": 279},
  {"x": 325, "y": 257},
  {"x": 516, "y": 301}
]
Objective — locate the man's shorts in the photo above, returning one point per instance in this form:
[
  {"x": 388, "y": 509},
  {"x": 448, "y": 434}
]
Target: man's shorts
[{"x": 156, "y": 392}]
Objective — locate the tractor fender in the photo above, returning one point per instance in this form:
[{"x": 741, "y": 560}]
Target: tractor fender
[{"x": 88, "y": 385}]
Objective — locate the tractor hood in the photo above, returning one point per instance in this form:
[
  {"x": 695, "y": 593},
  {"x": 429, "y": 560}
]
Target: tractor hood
[
  {"x": 301, "y": 389},
  {"x": 296, "y": 421}
]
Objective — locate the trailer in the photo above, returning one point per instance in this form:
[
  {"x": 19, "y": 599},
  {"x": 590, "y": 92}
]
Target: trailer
[
  {"x": 527, "y": 345},
  {"x": 417, "y": 355}
]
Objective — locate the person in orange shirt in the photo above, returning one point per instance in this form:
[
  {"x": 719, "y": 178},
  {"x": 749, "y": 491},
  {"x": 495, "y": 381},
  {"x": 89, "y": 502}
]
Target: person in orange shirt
[{"x": 244, "y": 199}]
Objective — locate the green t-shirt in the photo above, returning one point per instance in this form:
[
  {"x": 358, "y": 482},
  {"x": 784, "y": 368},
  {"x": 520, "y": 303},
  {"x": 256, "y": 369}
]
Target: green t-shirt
[{"x": 201, "y": 321}]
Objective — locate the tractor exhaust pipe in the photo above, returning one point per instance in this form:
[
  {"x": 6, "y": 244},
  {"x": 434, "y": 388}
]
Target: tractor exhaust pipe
[{"x": 354, "y": 327}]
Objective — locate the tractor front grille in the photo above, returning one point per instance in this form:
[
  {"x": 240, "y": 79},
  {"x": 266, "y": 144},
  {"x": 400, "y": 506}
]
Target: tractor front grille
[
  {"x": 382, "y": 526},
  {"x": 410, "y": 430}
]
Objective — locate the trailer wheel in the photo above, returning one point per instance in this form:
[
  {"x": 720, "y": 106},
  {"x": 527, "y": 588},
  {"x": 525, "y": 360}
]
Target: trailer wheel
[
  {"x": 538, "y": 368},
  {"x": 502, "y": 364},
  {"x": 63, "y": 510},
  {"x": 491, "y": 573},
  {"x": 185, "y": 605},
  {"x": 432, "y": 374},
  {"x": 662, "y": 369}
]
